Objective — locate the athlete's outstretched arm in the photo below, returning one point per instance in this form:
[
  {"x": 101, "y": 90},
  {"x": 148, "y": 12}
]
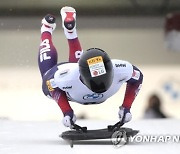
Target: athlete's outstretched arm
[
  {"x": 60, "y": 97},
  {"x": 132, "y": 88}
]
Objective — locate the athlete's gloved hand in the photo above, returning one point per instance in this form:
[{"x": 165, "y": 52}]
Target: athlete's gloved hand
[
  {"x": 124, "y": 114},
  {"x": 67, "y": 120}
]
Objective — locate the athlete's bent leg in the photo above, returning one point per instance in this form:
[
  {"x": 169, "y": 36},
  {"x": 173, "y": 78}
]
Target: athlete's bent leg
[
  {"x": 68, "y": 15},
  {"x": 47, "y": 56},
  {"x": 75, "y": 50}
]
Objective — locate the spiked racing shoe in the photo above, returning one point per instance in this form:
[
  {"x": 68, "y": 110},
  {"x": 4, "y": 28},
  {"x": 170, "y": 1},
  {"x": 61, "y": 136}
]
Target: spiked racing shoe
[
  {"x": 68, "y": 15},
  {"x": 49, "y": 21}
]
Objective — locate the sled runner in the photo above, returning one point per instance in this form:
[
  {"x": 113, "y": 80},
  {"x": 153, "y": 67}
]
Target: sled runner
[{"x": 79, "y": 133}]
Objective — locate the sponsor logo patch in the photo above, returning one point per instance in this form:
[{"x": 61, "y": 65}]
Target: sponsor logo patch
[
  {"x": 63, "y": 73},
  {"x": 120, "y": 65},
  {"x": 93, "y": 96},
  {"x": 67, "y": 87},
  {"x": 136, "y": 75},
  {"x": 48, "y": 83},
  {"x": 96, "y": 66}
]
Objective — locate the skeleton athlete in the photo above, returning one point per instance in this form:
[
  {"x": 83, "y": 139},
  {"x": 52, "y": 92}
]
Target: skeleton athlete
[{"x": 89, "y": 77}]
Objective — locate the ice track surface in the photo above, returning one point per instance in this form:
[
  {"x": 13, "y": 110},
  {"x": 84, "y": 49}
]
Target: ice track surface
[{"x": 43, "y": 137}]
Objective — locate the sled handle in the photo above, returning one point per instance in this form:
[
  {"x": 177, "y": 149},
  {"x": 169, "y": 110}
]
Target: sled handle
[
  {"x": 78, "y": 128},
  {"x": 116, "y": 126}
]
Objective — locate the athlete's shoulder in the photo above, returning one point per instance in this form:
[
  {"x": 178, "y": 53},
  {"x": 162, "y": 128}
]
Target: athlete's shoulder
[
  {"x": 122, "y": 65},
  {"x": 122, "y": 68},
  {"x": 66, "y": 71},
  {"x": 66, "y": 74}
]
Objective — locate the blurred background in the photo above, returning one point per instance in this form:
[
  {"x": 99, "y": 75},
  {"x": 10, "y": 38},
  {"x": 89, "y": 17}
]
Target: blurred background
[{"x": 145, "y": 33}]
